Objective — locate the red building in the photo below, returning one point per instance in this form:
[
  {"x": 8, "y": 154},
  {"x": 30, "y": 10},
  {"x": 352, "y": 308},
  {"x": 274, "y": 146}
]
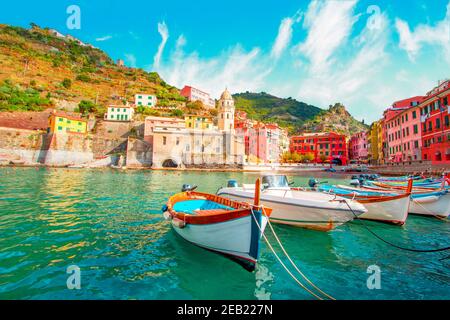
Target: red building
[
  {"x": 434, "y": 117},
  {"x": 327, "y": 146},
  {"x": 193, "y": 94}
]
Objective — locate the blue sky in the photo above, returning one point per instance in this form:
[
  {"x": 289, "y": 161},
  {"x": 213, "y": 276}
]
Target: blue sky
[{"x": 363, "y": 53}]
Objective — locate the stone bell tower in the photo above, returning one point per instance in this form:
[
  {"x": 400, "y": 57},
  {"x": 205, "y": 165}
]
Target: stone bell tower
[{"x": 226, "y": 111}]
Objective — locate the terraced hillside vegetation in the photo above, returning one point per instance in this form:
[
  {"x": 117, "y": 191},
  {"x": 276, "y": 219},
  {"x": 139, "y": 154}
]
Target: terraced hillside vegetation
[{"x": 39, "y": 69}]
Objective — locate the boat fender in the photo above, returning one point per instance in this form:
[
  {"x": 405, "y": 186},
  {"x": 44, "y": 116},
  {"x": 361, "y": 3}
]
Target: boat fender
[
  {"x": 167, "y": 215},
  {"x": 178, "y": 223},
  {"x": 428, "y": 199}
]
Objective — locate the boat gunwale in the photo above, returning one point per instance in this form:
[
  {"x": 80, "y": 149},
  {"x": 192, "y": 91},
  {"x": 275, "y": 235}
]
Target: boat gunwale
[{"x": 241, "y": 209}]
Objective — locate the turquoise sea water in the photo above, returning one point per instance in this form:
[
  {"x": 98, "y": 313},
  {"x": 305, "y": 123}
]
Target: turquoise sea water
[{"x": 109, "y": 224}]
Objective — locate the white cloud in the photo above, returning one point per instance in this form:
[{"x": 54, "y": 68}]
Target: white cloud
[
  {"x": 164, "y": 32},
  {"x": 284, "y": 35},
  {"x": 130, "y": 59},
  {"x": 235, "y": 68},
  {"x": 329, "y": 24},
  {"x": 105, "y": 38},
  {"x": 355, "y": 76},
  {"x": 412, "y": 41}
]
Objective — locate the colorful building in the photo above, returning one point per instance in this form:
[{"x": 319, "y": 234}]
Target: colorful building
[
  {"x": 375, "y": 143},
  {"x": 326, "y": 147},
  {"x": 402, "y": 132},
  {"x": 358, "y": 147},
  {"x": 60, "y": 122},
  {"x": 434, "y": 117},
  {"x": 145, "y": 100},
  {"x": 193, "y": 94},
  {"x": 119, "y": 113},
  {"x": 199, "y": 122}
]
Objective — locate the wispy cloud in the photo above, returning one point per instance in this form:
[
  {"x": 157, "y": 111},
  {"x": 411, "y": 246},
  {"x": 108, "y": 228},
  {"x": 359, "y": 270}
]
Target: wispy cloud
[
  {"x": 131, "y": 60},
  {"x": 284, "y": 35},
  {"x": 235, "y": 67},
  {"x": 164, "y": 32},
  {"x": 329, "y": 24},
  {"x": 105, "y": 38},
  {"x": 355, "y": 72},
  {"x": 412, "y": 41}
]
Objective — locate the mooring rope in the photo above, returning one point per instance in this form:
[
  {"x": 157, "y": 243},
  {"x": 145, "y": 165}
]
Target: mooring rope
[
  {"x": 387, "y": 242},
  {"x": 280, "y": 261},
  {"x": 430, "y": 212},
  {"x": 292, "y": 262}
]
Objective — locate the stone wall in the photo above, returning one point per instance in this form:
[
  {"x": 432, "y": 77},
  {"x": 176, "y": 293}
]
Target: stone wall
[
  {"x": 139, "y": 153},
  {"x": 410, "y": 167},
  {"x": 67, "y": 149},
  {"x": 110, "y": 137},
  {"x": 21, "y": 145},
  {"x": 31, "y": 147}
]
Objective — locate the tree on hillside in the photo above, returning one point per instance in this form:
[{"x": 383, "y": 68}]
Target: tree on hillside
[
  {"x": 66, "y": 83},
  {"x": 86, "y": 106}
]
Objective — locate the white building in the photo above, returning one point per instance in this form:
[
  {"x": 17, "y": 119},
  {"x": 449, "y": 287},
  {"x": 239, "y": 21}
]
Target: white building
[
  {"x": 119, "y": 113},
  {"x": 145, "y": 100}
]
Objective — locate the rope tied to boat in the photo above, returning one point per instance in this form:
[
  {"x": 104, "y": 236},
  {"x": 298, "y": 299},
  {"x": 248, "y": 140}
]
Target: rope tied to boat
[
  {"x": 282, "y": 263},
  {"x": 430, "y": 212},
  {"x": 388, "y": 242}
]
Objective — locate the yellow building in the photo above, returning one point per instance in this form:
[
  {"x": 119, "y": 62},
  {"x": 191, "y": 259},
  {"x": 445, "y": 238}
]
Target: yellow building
[
  {"x": 199, "y": 122},
  {"x": 59, "y": 122},
  {"x": 375, "y": 139}
]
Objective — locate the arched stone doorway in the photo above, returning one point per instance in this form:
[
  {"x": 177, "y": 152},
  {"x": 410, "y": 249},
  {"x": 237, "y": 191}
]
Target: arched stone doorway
[
  {"x": 169, "y": 163},
  {"x": 337, "y": 161}
]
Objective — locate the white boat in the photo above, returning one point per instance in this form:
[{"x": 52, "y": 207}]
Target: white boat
[
  {"x": 307, "y": 209},
  {"x": 435, "y": 204},
  {"x": 218, "y": 224},
  {"x": 389, "y": 208},
  {"x": 427, "y": 203}
]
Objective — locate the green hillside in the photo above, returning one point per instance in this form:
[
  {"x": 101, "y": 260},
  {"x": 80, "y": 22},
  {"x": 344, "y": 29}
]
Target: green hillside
[
  {"x": 336, "y": 119},
  {"x": 288, "y": 113}
]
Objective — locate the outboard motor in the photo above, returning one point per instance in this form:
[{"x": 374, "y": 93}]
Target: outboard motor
[
  {"x": 188, "y": 187},
  {"x": 232, "y": 184},
  {"x": 355, "y": 181},
  {"x": 312, "y": 183}
]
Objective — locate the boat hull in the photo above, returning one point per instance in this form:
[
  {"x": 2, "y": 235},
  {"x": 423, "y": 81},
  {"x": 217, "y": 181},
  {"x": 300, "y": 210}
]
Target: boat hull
[
  {"x": 431, "y": 205},
  {"x": 301, "y": 216},
  {"x": 237, "y": 239},
  {"x": 390, "y": 211}
]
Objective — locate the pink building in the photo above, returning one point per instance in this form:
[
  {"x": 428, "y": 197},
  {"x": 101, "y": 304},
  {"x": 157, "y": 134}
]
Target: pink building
[
  {"x": 402, "y": 131},
  {"x": 358, "y": 148},
  {"x": 257, "y": 142}
]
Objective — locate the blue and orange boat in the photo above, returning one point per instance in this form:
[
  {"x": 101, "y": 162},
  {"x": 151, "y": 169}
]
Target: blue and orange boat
[{"x": 218, "y": 224}]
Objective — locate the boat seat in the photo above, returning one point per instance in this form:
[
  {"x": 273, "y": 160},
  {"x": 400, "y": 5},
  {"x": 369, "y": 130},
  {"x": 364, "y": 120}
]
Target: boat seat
[{"x": 211, "y": 211}]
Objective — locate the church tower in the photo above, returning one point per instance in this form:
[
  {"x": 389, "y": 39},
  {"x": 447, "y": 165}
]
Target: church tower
[{"x": 226, "y": 111}]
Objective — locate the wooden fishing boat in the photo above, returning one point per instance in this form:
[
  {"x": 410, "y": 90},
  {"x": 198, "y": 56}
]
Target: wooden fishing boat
[
  {"x": 295, "y": 207},
  {"x": 389, "y": 208},
  {"x": 218, "y": 224}
]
